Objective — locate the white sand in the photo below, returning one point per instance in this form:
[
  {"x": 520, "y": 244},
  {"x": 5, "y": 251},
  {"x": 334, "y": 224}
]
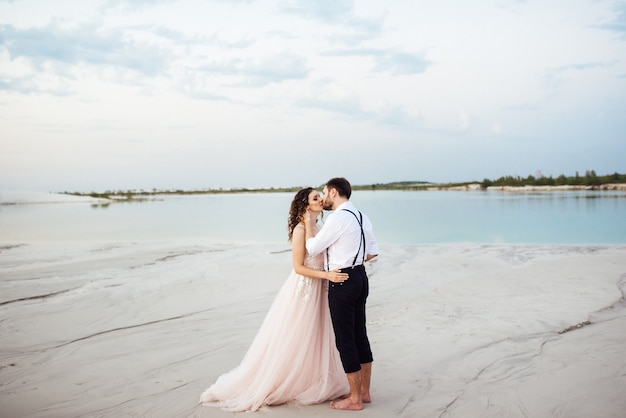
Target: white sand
[{"x": 141, "y": 329}]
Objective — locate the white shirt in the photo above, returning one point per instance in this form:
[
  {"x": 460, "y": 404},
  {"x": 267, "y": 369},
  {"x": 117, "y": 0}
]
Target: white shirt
[{"x": 341, "y": 234}]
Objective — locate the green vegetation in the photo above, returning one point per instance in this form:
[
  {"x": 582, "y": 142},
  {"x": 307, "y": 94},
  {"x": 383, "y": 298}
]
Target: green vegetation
[
  {"x": 134, "y": 195},
  {"x": 590, "y": 179},
  {"x": 399, "y": 185}
]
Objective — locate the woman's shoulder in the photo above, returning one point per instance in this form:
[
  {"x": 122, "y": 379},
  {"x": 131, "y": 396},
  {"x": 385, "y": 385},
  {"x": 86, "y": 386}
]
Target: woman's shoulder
[
  {"x": 298, "y": 236},
  {"x": 299, "y": 229}
]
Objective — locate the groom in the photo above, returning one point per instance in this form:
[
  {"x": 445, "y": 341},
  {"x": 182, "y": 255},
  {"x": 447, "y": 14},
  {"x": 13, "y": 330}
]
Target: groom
[{"x": 348, "y": 239}]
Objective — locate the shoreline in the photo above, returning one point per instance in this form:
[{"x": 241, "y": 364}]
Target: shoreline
[
  {"x": 131, "y": 196},
  {"x": 478, "y": 187},
  {"x": 141, "y": 329}
]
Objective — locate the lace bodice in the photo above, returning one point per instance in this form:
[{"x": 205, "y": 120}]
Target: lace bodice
[
  {"x": 306, "y": 284},
  {"x": 316, "y": 262}
]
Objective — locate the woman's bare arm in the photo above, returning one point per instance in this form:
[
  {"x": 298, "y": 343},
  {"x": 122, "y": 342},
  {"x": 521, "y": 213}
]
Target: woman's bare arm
[{"x": 298, "y": 253}]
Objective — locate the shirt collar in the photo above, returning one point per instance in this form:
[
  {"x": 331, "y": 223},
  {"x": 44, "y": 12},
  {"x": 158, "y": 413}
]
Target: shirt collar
[{"x": 345, "y": 205}]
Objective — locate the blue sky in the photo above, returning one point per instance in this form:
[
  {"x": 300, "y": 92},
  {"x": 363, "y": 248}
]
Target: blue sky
[{"x": 111, "y": 94}]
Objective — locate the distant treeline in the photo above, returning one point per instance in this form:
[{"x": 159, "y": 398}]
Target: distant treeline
[
  {"x": 138, "y": 194},
  {"x": 589, "y": 179}
]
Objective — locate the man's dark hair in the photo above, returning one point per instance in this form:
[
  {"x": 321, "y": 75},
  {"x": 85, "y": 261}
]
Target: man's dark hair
[{"x": 341, "y": 185}]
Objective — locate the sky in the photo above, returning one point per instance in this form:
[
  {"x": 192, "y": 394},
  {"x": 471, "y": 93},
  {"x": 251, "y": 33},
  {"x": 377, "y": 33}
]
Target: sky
[{"x": 102, "y": 95}]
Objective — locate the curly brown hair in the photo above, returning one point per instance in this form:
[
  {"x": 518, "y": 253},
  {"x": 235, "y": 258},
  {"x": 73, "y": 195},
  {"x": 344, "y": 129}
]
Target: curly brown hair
[{"x": 298, "y": 207}]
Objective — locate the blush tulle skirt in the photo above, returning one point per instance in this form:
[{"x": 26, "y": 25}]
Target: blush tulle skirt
[{"x": 292, "y": 359}]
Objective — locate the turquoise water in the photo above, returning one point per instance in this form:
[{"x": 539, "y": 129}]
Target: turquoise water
[
  {"x": 580, "y": 217},
  {"x": 500, "y": 217}
]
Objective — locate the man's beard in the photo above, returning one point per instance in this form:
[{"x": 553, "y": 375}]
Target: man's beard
[{"x": 328, "y": 206}]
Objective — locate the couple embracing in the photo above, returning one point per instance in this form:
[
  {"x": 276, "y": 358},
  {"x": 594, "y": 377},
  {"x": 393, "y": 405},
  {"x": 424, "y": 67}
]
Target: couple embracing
[{"x": 312, "y": 346}]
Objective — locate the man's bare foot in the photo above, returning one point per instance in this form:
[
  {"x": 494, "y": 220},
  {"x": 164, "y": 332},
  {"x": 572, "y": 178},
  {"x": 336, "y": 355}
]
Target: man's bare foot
[
  {"x": 364, "y": 398},
  {"x": 346, "y": 404}
]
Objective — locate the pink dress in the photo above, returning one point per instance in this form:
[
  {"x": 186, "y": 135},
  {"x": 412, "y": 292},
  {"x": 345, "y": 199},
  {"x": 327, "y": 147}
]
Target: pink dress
[{"x": 292, "y": 359}]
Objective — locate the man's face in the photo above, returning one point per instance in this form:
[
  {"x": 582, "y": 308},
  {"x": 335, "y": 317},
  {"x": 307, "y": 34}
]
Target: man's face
[{"x": 327, "y": 199}]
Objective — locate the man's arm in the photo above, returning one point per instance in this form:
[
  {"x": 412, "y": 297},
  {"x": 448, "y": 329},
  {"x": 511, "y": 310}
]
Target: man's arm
[
  {"x": 370, "y": 256},
  {"x": 324, "y": 238}
]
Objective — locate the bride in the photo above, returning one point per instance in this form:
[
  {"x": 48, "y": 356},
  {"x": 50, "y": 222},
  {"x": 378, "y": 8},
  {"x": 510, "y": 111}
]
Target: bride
[{"x": 293, "y": 358}]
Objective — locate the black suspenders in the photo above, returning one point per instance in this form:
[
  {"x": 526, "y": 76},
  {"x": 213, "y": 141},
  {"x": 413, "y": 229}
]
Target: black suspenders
[{"x": 361, "y": 243}]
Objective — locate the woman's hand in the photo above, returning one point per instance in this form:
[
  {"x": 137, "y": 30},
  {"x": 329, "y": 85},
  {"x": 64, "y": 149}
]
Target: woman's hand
[
  {"x": 306, "y": 219},
  {"x": 336, "y": 276}
]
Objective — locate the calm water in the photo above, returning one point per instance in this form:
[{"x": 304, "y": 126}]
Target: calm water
[{"x": 398, "y": 218}]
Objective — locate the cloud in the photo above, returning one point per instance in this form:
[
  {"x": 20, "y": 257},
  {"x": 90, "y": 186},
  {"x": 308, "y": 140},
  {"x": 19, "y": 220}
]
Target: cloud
[
  {"x": 396, "y": 116},
  {"x": 388, "y": 61},
  {"x": 261, "y": 70},
  {"x": 30, "y": 85},
  {"x": 82, "y": 45},
  {"x": 330, "y": 11},
  {"x": 584, "y": 66},
  {"x": 402, "y": 63},
  {"x": 345, "y": 27},
  {"x": 618, "y": 23},
  {"x": 347, "y": 106},
  {"x": 526, "y": 107},
  {"x": 555, "y": 77},
  {"x": 135, "y": 4}
]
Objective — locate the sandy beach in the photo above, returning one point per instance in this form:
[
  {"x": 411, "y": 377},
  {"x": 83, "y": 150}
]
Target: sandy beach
[{"x": 117, "y": 329}]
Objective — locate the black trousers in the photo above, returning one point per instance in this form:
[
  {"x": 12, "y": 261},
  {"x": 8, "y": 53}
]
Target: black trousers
[{"x": 347, "y": 311}]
